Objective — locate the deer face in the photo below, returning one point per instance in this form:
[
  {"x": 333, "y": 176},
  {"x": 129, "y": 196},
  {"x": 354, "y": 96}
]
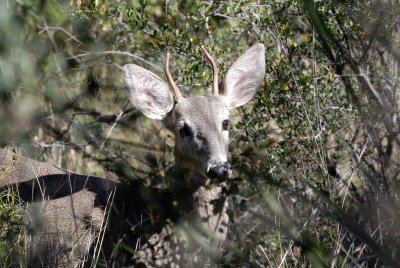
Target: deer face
[
  {"x": 200, "y": 123},
  {"x": 201, "y": 126}
]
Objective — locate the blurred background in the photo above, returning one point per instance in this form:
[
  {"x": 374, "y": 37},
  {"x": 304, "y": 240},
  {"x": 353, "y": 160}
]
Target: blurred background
[{"x": 315, "y": 156}]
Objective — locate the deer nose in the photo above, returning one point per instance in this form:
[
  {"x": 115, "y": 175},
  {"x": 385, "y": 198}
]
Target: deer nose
[{"x": 220, "y": 170}]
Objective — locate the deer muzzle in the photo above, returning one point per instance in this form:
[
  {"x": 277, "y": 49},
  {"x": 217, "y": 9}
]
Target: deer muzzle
[{"x": 219, "y": 170}]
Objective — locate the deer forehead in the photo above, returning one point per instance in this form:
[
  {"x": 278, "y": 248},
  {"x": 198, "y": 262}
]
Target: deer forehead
[{"x": 200, "y": 111}]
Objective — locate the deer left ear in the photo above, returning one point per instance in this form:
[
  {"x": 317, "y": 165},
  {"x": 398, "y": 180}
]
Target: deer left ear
[
  {"x": 244, "y": 77},
  {"x": 147, "y": 92}
]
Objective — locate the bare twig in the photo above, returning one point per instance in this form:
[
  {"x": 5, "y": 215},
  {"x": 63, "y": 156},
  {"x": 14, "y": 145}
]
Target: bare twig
[{"x": 115, "y": 52}]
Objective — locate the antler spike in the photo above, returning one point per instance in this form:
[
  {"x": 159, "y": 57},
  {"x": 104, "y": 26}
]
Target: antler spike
[
  {"x": 174, "y": 87},
  {"x": 215, "y": 71}
]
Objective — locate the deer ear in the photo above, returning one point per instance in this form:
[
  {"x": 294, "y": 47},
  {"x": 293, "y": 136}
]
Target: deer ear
[
  {"x": 244, "y": 77},
  {"x": 148, "y": 93}
]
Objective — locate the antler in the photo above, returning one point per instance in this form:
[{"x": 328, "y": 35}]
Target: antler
[
  {"x": 174, "y": 87},
  {"x": 215, "y": 70}
]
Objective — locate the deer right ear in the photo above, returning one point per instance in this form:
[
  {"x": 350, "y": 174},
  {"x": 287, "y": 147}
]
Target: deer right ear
[
  {"x": 244, "y": 77},
  {"x": 147, "y": 92}
]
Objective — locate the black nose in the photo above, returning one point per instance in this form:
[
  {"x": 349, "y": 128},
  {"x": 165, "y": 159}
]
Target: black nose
[{"x": 219, "y": 171}]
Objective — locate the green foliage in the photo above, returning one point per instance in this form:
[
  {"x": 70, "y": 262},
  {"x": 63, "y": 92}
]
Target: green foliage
[
  {"x": 315, "y": 156},
  {"x": 10, "y": 229}
]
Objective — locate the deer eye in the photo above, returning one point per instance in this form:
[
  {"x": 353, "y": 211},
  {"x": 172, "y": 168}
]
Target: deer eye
[
  {"x": 225, "y": 124},
  {"x": 185, "y": 131}
]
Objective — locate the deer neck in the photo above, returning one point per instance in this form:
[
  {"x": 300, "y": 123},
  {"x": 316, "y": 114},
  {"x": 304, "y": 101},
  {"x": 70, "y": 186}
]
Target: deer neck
[{"x": 208, "y": 202}]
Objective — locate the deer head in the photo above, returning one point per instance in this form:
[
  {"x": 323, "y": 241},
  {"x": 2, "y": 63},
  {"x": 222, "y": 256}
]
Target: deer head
[{"x": 200, "y": 123}]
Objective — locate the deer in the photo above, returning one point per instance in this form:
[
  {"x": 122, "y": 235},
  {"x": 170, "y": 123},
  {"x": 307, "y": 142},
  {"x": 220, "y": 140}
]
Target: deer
[
  {"x": 201, "y": 128},
  {"x": 77, "y": 209}
]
